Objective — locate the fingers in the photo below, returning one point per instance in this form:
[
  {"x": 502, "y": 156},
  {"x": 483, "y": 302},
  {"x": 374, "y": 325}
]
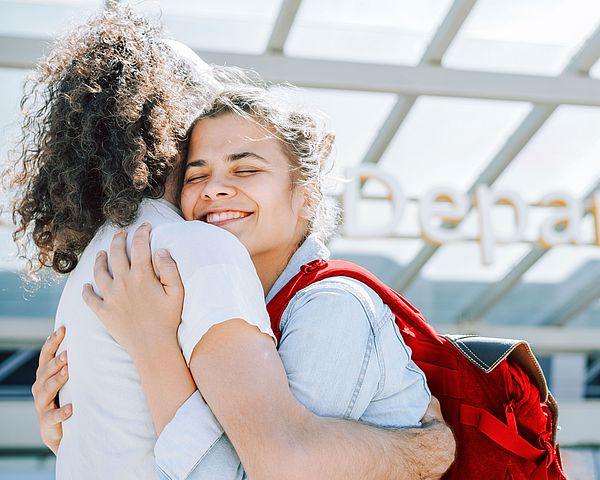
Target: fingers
[
  {"x": 52, "y": 367},
  {"x": 119, "y": 262},
  {"x": 45, "y": 389},
  {"x": 91, "y": 299},
  {"x": 51, "y": 387},
  {"x": 51, "y": 346},
  {"x": 141, "y": 256},
  {"x": 169, "y": 274},
  {"x": 102, "y": 276},
  {"x": 57, "y": 415}
]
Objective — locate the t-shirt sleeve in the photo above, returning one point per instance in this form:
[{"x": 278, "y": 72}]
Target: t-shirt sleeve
[{"x": 219, "y": 279}]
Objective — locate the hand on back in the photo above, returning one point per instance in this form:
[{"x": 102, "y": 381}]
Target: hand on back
[
  {"x": 136, "y": 306},
  {"x": 51, "y": 375}
]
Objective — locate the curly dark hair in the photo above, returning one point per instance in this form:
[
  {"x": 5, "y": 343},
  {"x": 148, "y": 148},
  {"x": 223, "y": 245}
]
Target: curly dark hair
[{"x": 104, "y": 115}]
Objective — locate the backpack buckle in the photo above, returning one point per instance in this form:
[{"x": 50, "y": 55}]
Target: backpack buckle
[{"x": 313, "y": 266}]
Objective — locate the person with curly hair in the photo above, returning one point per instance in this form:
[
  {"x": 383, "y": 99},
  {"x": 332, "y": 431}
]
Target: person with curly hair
[
  {"x": 104, "y": 115},
  {"x": 99, "y": 157}
]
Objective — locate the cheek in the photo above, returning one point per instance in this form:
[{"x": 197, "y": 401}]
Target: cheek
[
  {"x": 189, "y": 195},
  {"x": 287, "y": 207}
]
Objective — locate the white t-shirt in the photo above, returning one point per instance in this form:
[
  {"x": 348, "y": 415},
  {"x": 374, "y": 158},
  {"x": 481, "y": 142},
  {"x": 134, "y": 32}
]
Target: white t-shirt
[{"x": 111, "y": 434}]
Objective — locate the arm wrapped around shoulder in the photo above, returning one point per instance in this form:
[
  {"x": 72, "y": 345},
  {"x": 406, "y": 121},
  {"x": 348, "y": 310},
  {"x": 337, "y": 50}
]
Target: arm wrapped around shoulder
[{"x": 218, "y": 276}]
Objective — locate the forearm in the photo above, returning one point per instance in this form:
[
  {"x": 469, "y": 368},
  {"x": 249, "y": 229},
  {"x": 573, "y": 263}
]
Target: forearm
[
  {"x": 335, "y": 448},
  {"x": 244, "y": 383},
  {"x": 166, "y": 380}
]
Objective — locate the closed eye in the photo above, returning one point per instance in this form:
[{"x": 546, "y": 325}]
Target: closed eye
[{"x": 195, "y": 179}]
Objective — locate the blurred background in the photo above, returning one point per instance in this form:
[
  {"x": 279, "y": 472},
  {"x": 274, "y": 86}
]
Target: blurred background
[{"x": 431, "y": 93}]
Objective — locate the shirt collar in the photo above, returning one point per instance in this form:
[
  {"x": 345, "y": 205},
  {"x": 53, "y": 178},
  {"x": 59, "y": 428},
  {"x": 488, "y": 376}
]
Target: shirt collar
[{"x": 311, "y": 249}]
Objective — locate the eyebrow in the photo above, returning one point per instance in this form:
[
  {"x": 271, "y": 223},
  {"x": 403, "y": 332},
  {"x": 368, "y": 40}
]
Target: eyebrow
[{"x": 230, "y": 158}]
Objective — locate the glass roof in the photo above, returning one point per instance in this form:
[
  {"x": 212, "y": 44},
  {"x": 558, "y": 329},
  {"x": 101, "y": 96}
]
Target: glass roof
[
  {"x": 555, "y": 282},
  {"x": 228, "y": 25},
  {"x": 563, "y": 156},
  {"x": 353, "y": 133},
  {"x": 523, "y": 36},
  {"x": 466, "y": 135},
  {"x": 441, "y": 141},
  {"x": 43, "y": 18},
  {"x": 387, "y": 31}
]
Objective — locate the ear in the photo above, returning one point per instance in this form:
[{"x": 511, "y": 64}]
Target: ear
[{"x": 309, "y": 195}]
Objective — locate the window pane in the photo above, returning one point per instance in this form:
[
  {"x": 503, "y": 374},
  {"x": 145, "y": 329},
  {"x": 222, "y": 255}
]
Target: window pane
[
  {"x": 523, "y": 36},
  {"x": 381, "y": 31},
  {"x": 447, "y": 141},
  {"x": 44, "y": 18},
  {"x": 228, "y": 25}
]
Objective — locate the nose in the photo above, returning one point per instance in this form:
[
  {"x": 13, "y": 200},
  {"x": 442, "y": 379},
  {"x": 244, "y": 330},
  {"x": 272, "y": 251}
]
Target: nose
[{"x": 216, "y": 188}]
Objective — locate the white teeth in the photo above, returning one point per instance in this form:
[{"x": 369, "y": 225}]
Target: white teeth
[{"x": 222, "y": 216}]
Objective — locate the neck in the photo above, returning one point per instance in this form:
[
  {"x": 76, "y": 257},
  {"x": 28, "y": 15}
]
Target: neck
[{"x": 270, "y": 265}]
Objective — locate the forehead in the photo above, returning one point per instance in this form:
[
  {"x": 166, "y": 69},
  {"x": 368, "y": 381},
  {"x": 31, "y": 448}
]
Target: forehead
[{"x": 229, "y": 132}]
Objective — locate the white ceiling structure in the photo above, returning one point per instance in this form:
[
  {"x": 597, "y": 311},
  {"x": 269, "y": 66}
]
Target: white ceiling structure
[
  {"x": 463, "y": 93},
  {"x": 459, "y": 94}
]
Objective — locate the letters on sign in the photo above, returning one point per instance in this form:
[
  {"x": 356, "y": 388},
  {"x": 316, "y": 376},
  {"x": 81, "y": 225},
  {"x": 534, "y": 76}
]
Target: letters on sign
[{"x": 442, "y": 209}]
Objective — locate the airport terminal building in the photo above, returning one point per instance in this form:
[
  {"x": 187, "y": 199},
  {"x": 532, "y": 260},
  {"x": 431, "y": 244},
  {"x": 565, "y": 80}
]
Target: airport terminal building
[{"x": 468, "y": 159}]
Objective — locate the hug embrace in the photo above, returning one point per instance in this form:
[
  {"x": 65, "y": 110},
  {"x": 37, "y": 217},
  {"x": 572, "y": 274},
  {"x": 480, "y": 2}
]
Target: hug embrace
[{"x": 182, "y": 200}]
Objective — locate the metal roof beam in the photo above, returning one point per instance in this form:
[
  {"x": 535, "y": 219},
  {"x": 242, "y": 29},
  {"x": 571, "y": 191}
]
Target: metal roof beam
[
  {"x": 403, "y": 80},
  {"x": 581, "y": 62},
  {"x": 15, "y": 361},
  {"x": 578, "y": 304},
  {"x": 495, "y": 293},
  {"x": 587, "y": 55},
  {"x": 23, "y": 332},
  {"x": 420, "y": 80},
  {"x": 19, "y": 332},
  {"x": 389, "y": 128},
  {"x": 593, "y": 371},
  {"x": 283, "y": 25},
  {"x": 544, "y": 339},
  {"x": 456, "y": 16},
  {"x": 515, "y": 143},
  {"x": 22, "y": 52},
  {"x": 497, "y": 290},
  {"x": 436, "y": 49}
]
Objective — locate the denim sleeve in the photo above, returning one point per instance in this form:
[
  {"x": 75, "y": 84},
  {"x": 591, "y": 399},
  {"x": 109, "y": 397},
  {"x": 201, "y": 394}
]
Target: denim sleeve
[
  {"x": 328, "y": 351},
  {"x": 328, "y": 348},
  {"x": 334, "y": 356},
  {"x": 193, "y": 446}
]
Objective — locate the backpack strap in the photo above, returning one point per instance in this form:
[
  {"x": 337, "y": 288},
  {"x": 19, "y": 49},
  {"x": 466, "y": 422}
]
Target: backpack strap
[
  {"x": 507, "y": 438},
  {"x": 500, "y": 433},
  {"x": 487, "y": 353},
  {"x": 321, "y": 269}
]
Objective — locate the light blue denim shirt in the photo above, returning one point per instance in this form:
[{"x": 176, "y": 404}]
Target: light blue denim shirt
[{"x": 344, "y": 357}]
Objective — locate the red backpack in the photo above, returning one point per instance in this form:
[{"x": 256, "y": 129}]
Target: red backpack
[{"x": 492, "y": 391}]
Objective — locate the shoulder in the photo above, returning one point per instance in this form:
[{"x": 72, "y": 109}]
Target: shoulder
[
  {"x": 339, "y": 300},
  {"x": 339, "y": 290},
  {"x": 195, "y": 244}
]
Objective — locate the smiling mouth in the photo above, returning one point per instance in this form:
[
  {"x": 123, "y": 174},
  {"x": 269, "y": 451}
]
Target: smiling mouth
[{"x": 223, "y": 218}]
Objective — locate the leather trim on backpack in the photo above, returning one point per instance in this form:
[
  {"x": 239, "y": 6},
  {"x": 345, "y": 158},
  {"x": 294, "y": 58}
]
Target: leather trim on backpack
[
  {"x": 553, "y": 406},
  {"x": 523, "y": 355},
  {"x": 487, "y": 353}
]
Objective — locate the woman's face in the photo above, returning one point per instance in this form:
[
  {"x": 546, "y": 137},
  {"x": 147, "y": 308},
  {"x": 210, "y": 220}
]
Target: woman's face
[{"x": 238, "y": 178}]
